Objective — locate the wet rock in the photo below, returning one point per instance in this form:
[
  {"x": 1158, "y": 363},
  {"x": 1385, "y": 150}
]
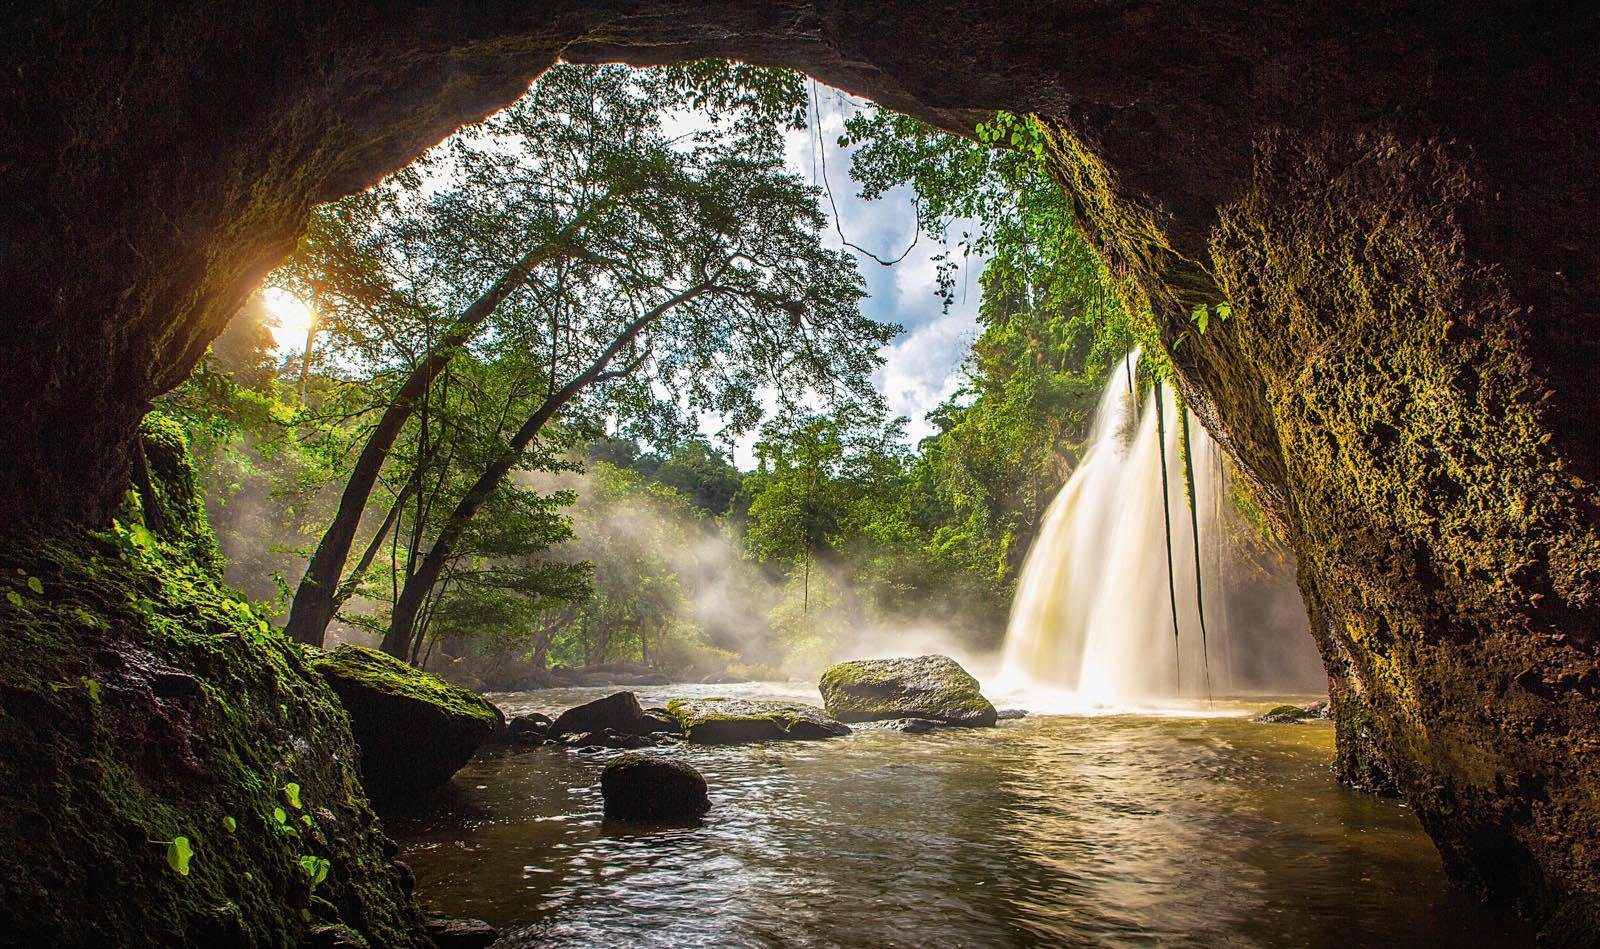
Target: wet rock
[
  {"x": 931, "y": 687},
  {"x": 660, "y": 721},
  {"x": 529, "y": 729},
  {"x": 1289, "y": 714},
  {"x": 1010, "y": 714},
  {"x": 653, "y": 788},
  {"x": 415, "y": 729},
  {"x": 619, "y": 712},
  {"x": 725, "y": 721},
  {"x": 911, "y": 726},
  {"x": 448, "y": 932}
]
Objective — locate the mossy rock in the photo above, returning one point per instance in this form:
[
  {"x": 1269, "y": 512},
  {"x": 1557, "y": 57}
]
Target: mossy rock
[
  {"x": 653, "y": 789},
  {"x": 726, "y": 721},
  {"x": 141, "y": 701},
  {"x": 931, "y": 687},
  {"x": 619, "y": 712},
  {"x": 415, "y": 730}
]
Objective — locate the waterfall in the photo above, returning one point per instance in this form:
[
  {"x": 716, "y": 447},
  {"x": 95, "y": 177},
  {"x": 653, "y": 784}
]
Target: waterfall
[{"x": 1091, "y": 615}]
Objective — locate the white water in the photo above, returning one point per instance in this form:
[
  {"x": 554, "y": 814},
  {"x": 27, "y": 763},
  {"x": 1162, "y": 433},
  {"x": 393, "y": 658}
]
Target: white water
[{"x": 1091, "y": 625}]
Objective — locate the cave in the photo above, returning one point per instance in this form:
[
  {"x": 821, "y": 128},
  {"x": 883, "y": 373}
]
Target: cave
[{"x": 1397, "y": 201}]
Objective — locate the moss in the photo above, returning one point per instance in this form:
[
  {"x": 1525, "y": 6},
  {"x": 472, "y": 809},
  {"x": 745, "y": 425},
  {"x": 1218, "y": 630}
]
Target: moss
[
  {"x": 380, "y": 671},
  {"x": 721, "y": 721},
  {"x": 932, "y": 687},
  {"x": 141, "y": 701},
  {"x": 174, "y": 488}
]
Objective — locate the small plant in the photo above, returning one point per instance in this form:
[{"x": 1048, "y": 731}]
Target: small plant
[
  {"x": 316, "y": 868},
  {"x": 179, "y": 853},
  {"x": 229, "y": 824},
  {"x": 291, "y": 793}
]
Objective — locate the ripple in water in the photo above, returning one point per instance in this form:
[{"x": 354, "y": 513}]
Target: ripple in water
[{"x": 1052, "y": 830}]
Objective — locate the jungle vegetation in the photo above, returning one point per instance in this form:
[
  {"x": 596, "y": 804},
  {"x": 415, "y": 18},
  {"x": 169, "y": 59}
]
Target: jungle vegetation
[{"x": 494, "y": 446}]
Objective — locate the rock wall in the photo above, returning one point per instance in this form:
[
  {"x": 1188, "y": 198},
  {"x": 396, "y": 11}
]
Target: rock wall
[
  {"x": 142, "y": 704},
  {"x": 1398, "y": 201}
]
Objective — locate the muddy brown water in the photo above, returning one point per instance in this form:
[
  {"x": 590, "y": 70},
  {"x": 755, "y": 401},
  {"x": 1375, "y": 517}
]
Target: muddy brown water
[{"x": 1122, "y": 830}]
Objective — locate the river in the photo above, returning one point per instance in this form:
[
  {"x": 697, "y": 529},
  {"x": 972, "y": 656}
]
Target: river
[{"x": 1198, "y": 828}]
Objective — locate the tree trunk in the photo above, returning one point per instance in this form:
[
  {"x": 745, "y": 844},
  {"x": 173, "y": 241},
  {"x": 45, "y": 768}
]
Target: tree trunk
[
  {"x": 315, "y": 600},
  {"x": 416, "y": 589}
]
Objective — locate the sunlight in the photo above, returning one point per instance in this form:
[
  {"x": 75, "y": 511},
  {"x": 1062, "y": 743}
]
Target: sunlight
[{"x": 291, "y": 319}]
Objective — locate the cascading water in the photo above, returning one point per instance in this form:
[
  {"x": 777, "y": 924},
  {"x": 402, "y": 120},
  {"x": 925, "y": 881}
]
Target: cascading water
[{"x": 1092, "y": 614}]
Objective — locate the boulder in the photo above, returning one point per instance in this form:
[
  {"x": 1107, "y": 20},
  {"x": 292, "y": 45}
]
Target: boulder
[
  {"x": 652, "y": 788},
  {"x": 619, "y": 712},
  {"x": 932, "y": 687},
  {"x": 415, "y": 730},
  {"x": 529, "y": 729},
  {"x": 724, "y": 721}
]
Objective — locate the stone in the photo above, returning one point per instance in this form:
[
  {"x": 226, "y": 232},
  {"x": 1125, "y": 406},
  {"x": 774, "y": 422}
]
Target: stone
[
  {"x": 619, "y": 712},
  {"x": 653, "y": 789},
  {"x": 932, "y": 687},
  {"x": 1010, "y": 714},
  {"x": 727, "y": 721},
  {"x": 911, "y": 726},
  {"x": 1291, "y": 714},
  {"x": 449, "y": 932},
  {"x": 528, "y": 729},
  {"x": 415, "y": 730}
]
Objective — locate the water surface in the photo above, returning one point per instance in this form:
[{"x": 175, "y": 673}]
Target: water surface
[{"x": 1117, "y": 830}]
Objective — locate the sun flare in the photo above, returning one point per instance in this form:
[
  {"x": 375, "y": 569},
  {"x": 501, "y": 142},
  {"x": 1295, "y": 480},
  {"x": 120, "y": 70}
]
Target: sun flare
[{"x": 291, "y": 319}]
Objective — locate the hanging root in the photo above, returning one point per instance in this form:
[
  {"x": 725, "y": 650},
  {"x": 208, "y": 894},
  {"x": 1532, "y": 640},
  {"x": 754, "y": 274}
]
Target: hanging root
[
  {"x": 1166, "y": 516},
  {"x": 1194, "y": 523}
]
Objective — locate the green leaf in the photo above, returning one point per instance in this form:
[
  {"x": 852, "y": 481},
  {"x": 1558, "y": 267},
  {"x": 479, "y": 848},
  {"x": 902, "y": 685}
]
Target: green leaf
[
  {"x": 1201, "y": 317},
  {"x": 280, "y": 815},
  {"x": 291, "y": 793},
  {"x": 179, "y": 853},
  {"x": 315, "y": 867},
  {"x": 1224, "y": 310},
  {"x": 140, "y": 536},
  {"x": 14, "y": 598},
  {"x": 229, "y": 824},
  {"x": 36, "y": 586}
]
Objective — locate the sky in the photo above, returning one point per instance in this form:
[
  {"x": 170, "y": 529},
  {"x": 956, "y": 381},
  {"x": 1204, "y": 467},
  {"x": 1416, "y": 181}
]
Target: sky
[{"x": 922, "y": 364}]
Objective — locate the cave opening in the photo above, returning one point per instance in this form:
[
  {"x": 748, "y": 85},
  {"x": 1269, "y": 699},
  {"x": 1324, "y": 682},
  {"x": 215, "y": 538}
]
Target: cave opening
[{"x": 1407, "y": 386}]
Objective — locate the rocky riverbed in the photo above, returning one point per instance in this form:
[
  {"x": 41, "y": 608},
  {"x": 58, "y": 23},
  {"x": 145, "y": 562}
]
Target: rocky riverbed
[{"x": 1191, "y": 828}]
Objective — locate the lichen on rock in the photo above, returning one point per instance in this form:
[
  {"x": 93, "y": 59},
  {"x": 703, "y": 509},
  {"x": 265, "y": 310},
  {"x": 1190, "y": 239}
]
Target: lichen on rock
[{"x": 931, "y": 687}]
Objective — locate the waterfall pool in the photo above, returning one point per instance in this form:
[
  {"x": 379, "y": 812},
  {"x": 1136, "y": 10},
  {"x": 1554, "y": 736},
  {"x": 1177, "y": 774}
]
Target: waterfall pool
[{"x": 1121, "y": 830}]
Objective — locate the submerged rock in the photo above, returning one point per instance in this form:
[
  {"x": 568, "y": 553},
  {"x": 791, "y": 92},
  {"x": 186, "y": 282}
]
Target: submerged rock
[
  {"x": 619, "y": 712},
  {"x": 1010, "y": 714},
  {"x": 415, "y": 729},
  {"x": 1286, "y": 714},
  {"x": 652, "y": 788},
  {"x": 932, "y": 687},
  {"x": 448, "y": 932},
  {"x": 725, "y": 721},
  {"x": 911, "y": 726}
]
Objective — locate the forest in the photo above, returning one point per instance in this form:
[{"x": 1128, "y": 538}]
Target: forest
[{"x": 487, "y": 456}]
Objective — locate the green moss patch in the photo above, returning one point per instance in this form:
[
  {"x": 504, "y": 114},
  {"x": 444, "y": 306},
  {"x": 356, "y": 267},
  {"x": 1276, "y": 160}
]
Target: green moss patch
[{"x": 724, "y": 721}]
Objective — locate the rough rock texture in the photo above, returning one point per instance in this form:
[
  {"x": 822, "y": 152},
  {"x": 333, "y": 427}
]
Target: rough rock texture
[
  {"x": 449, "y": 932},
  {"x": 1398, "y": 200},
  {"x": 619, "y": 712},
  {"x": 415, "y": 730},
  {"x": 143, "y": 702},
  {"x": 726, "y": 721},
  {"x": 653, "y": 789},
  {"x": 931, "y": 687}
]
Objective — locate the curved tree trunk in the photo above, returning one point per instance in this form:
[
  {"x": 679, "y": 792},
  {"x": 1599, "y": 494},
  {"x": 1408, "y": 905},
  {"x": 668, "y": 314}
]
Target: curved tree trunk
[{"x": 316, "y": 598}]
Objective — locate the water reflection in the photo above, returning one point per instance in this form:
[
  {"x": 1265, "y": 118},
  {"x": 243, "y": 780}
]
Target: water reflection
[{"x": 1121, "y": 830}]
